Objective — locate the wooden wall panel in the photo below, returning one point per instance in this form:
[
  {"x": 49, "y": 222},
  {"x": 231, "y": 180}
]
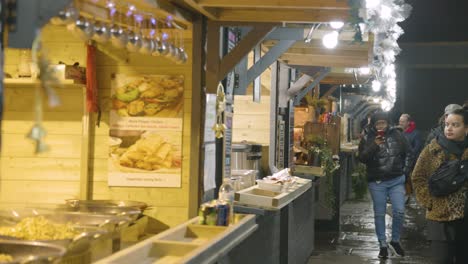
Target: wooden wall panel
[
  {"x": 51, "y": 177},
  {"x": 39, "y": 191},
  {"x": 251, "y": 120},
  {"x": 170, "y": 204}
]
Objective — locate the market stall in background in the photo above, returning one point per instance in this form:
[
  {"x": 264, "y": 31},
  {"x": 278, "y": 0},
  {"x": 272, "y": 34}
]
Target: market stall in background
[
  {"x": 98, "y": 106},
  {"x": 124, "y": 120}
]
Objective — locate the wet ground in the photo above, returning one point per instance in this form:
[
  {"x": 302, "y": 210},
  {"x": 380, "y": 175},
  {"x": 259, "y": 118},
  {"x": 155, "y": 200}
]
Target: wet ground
[{"x": 357, "y": 242}]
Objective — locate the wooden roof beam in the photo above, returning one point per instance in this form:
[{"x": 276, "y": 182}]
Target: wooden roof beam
[
  {"x": 294, "y": 4},
  {"x": 330, "y": 91},
  {"x": 211, "y": 13},
  {"x": 317, "y": 78},
  {"x": 347, "y": 45},
  {"x": 331, "y": 53},
  {"x": 247, "y": 43},
  {"x": 283, "y": 15},
  {"x": 325, "y": 61}
]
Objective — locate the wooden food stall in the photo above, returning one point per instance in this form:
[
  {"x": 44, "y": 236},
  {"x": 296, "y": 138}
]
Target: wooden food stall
[
  {"x": 83, "y": 150},
  {"x": 278, "y": 32},
  {"x": 130, "y": 129},
  {"x": 76, "y": 164}
]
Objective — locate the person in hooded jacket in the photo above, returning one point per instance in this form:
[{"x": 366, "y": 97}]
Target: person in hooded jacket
[
  {"x": 447, "y": 226},
  {"x": 388, "y": 158}
]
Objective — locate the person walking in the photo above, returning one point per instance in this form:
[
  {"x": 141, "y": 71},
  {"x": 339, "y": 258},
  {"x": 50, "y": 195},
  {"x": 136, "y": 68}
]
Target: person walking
[
  {"x": 447, "y": 216},
  {"x": 413, "y": 136},
  {"x": 388, "y": 157},
  {"x": 411, "y": 133},
  {"x": 439, "y": 129}
]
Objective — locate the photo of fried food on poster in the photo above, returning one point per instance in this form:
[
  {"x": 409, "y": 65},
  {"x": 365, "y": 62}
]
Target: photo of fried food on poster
[
  {"x": 147, "y": 95},
  {"x": 145, "y": 158},
  {"x": 146, "y": 125}
]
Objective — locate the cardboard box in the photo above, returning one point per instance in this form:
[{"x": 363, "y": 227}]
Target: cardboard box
[{"x": 71, "y": 72}]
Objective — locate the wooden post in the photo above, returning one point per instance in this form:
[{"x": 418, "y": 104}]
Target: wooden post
[
  {"x": 198, "y": 115},
  {"x": 85, "y": 193},
  {"x": 213, "y": 57}
]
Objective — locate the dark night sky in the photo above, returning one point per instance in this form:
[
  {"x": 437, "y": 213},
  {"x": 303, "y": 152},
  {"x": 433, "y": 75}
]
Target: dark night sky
[
  {"x": 427, "y": 91},
  {"x": 436, "y": 21}
]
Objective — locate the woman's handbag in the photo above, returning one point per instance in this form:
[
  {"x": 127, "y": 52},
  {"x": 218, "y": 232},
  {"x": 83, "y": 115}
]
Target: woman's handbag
[{"x": 448, "y": 178}]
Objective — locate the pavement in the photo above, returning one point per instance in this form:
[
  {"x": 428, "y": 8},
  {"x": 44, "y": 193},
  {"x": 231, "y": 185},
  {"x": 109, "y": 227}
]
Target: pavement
[{"x": 356, "y": 243}]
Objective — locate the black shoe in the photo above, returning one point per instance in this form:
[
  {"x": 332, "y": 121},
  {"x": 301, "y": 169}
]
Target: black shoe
[
  {"x": 383, "y": 254},
  {"x": 397, "y": 249}
]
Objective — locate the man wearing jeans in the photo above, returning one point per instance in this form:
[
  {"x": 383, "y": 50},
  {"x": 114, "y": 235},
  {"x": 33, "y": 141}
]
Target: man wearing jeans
[{"x": 388, "y": 157}]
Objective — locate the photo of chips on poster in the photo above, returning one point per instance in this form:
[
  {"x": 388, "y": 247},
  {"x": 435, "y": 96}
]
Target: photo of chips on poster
[
  {"x": 147, "y": 95},
  {"x": 145, "y": 158}
]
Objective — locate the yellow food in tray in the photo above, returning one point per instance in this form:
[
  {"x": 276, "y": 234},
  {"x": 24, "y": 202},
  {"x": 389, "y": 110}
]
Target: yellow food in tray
[
  {"x": 39, "y": 228},
  {"x": 6, "y": 258},
  {"x": 149, "y": 96},
  {"x": 149, "y": 153}
]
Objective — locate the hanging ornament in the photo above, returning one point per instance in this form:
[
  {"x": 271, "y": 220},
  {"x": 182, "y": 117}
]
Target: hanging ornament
[
  {"x": 119, "y": 37},
  {"x": 219, "y": 128},
  {"x": 47, "y": 80}
]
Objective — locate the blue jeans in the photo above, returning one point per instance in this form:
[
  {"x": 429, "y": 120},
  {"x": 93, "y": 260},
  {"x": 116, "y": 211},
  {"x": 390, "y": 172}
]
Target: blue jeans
[{"x": 395, "y": 189}]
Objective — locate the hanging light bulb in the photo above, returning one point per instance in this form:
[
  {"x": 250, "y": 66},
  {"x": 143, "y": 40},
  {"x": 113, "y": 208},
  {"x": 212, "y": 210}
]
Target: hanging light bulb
[
  {"x": 372, "y": 3},
  {"x": 336, "y": 24},
  {"x": 376, "y": 85},
  {"x": 330, "y": 40},
  {"x": 386, "y": 105}
]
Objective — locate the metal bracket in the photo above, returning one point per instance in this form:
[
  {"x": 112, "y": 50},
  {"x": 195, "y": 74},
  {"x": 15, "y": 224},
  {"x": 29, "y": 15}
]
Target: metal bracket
[
  {"x": 257, "y": 86},
  {"x": 322, "y": 74},
  {"x": 271, "y": 56},
  {"x": 282, "y": 33}
]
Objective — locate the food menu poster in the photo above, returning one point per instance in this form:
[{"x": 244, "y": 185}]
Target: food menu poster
[{"x": 146, "y": 125}]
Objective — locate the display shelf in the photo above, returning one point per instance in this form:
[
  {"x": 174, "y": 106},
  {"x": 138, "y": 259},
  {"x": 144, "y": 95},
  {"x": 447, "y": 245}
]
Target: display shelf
[
  {"x": 30, "y": 83},
  {"x": 257, "y": 197},
  {"x": 187, "y": 243}
]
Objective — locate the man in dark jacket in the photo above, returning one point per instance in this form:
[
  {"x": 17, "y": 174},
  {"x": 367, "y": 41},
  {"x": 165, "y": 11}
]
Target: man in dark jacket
[
  {"x": 388, "y": 157},
  {"x": 411, "y": 133},
  {"x": 414, "y": 139}
]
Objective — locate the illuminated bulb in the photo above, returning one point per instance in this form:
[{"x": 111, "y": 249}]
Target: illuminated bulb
[
  {"x": 336, "y": 24},
  {"x": 372, "y": 3},
  {"x": 330, "y": 40},
  {"x": 386, "y": 105},
  {"x": 376, "y": 100},
  {"x": 385, "y": 12},
  {"x": 364, "y": 70},
  {"x": 376, "y": 85},
  {"x": 352, "y": 85},
  {"x": 389, "y": 70}
]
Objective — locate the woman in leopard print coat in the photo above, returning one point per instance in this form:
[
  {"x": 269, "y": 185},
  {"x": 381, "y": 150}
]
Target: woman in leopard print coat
[{"x": 447, "y": 223}]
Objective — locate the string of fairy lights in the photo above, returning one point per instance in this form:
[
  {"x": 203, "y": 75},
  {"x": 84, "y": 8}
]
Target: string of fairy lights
[{"x": 381, "y": 17}]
